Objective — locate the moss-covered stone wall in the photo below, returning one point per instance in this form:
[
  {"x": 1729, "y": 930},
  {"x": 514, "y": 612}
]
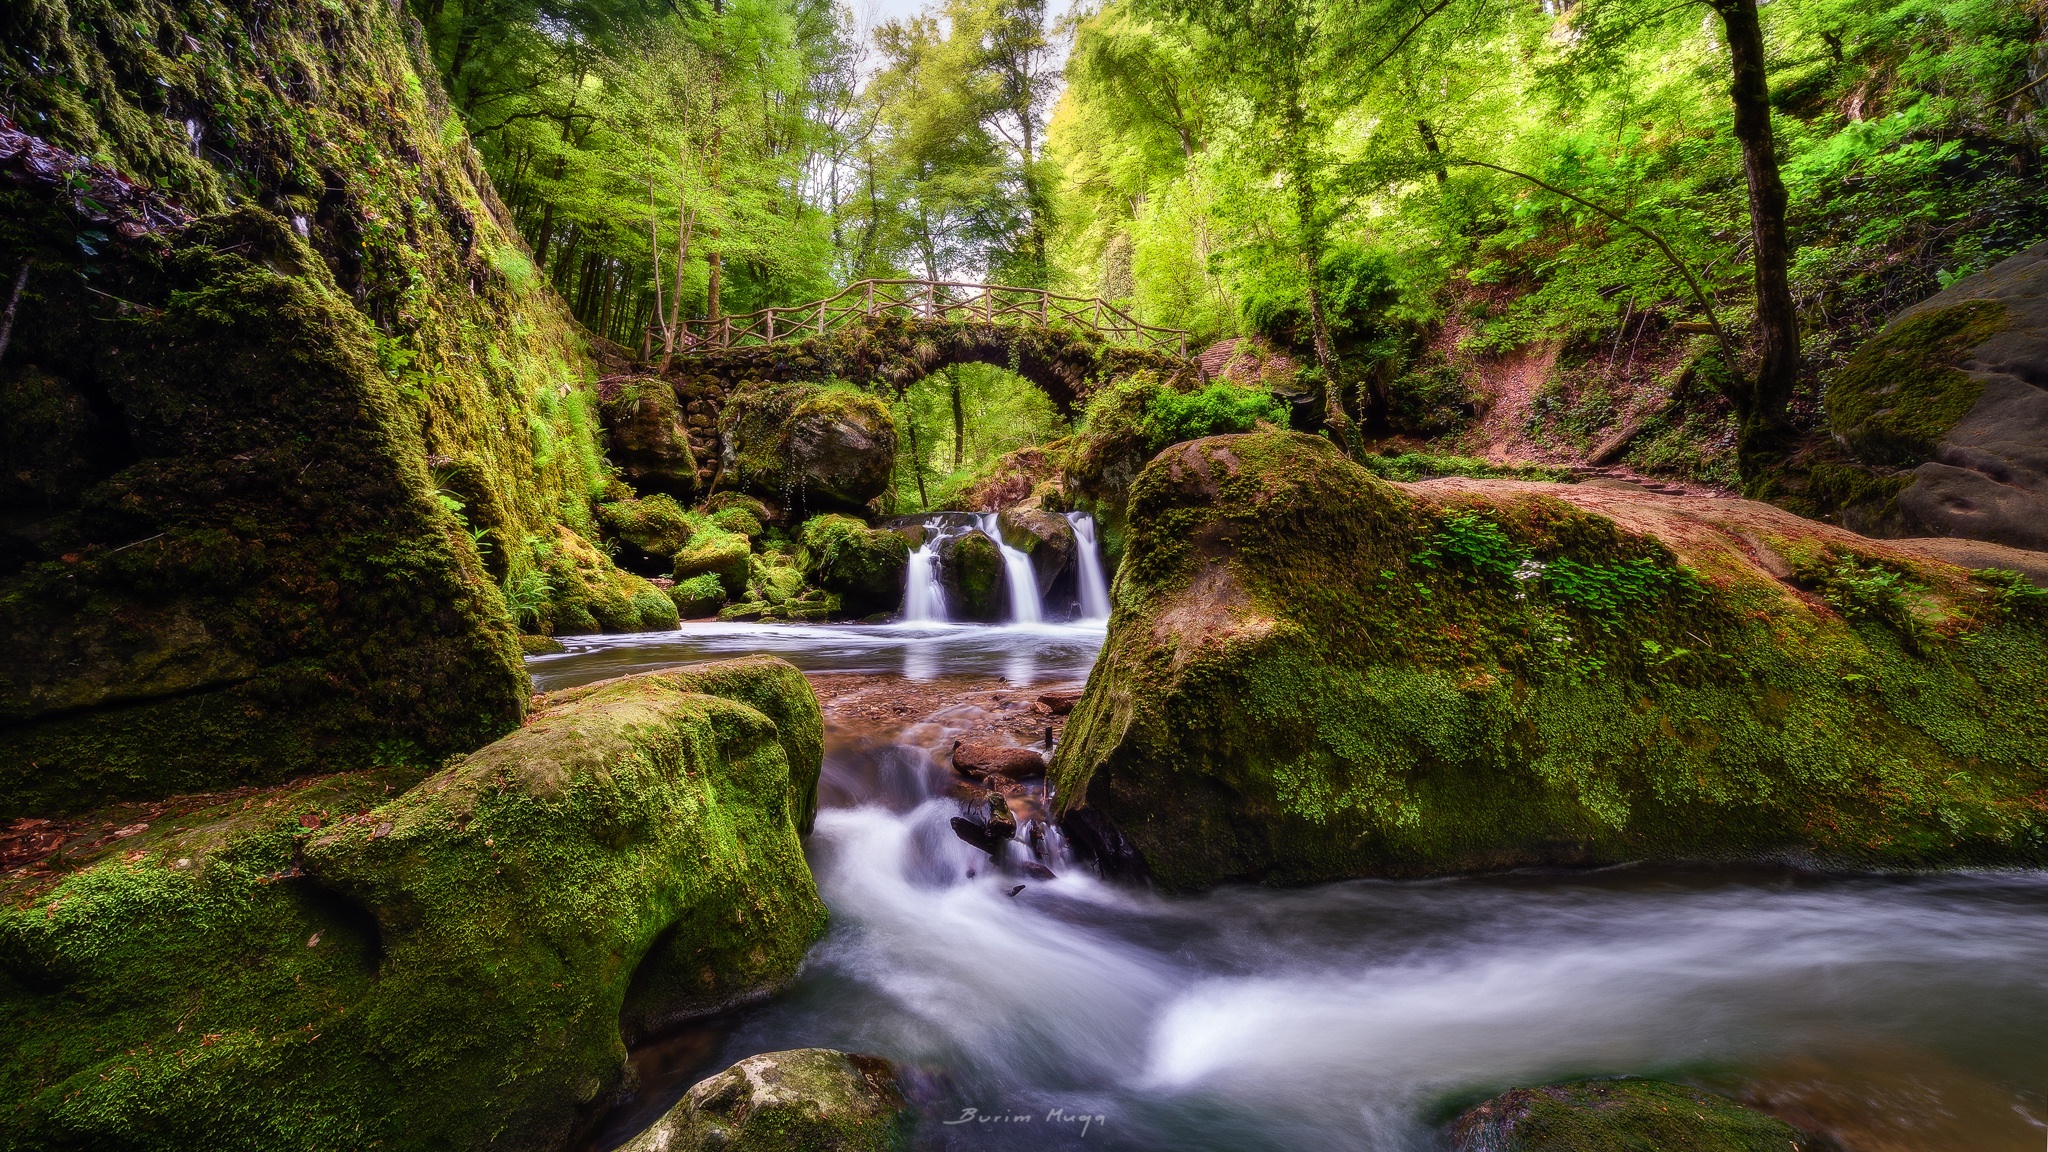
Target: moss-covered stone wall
[
  {"x": 1311, "y": 673},
  {"x": 288, "y": 414}
]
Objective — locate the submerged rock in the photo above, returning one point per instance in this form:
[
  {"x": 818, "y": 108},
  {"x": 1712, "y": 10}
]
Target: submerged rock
[
  {"x": 813, "y": 1099},
  {"x": 970, "y": 570},
  {"x": 1315, "y": 674},
  {"x": 864, "y": 566},
  {"x": 452, "y": 967},
  {"x": 809, "y": 447},
  {"x": 644, "y": 435},
  {"x": 1619, "y": 1116}
]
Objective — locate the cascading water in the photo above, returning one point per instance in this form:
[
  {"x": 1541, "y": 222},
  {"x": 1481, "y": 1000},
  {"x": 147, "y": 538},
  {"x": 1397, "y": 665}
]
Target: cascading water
[
  {"x": 1025, "y": 606},
  {"x": 924, "y": 602},
  {"x": 1094, "y": 589}
]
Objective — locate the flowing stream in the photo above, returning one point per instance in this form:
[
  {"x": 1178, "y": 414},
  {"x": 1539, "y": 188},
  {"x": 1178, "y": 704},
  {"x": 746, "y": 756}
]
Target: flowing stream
[{"x": 1894, "y": 1014}]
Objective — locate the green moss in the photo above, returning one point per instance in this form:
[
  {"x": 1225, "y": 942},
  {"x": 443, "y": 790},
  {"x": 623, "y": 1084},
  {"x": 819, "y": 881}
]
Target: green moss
[
  {"x": 1407, "y": 466},
  {"x": 809, "y": 1100},
  {"x": 1620, "y": 1116},
  {"x": 1901, "y": 392},
  {"x": 1295, "y": 689},
  {"x": 699, "y": 596},
  {"x": 716, "y": 552},
  {"x": 863, "y": 566},
  {"x": 972, "y": 567},
  {"x": 737, "y": 520},
  {"x": 655, "y": 525},
  {"x": 447, "y": 968},
  {"x": 656, "y": 611}
]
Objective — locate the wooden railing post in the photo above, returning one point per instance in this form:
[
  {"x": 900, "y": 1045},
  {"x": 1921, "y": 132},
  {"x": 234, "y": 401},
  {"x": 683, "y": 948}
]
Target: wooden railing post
[{"x": 771, "y": 326}]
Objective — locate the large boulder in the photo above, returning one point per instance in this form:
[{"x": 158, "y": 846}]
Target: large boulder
[
  {"x": 864, "y": 566},
  {"x": 972, "y": 575},
  {"x": 454, "y": 966},
  {"x": 809, "y": 447},
  {"x": 1620, "y": 1116},
  {"x": 1044, "y": 536},
  {"x": 813, "y": 1099},
  {"x": 1312, "y": 673},
  {"x": 644, "y": 435},
  {"x": 1948, "y": 408}
]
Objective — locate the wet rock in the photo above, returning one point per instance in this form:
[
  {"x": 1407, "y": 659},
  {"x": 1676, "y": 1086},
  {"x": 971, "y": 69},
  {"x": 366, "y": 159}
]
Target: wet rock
[
  {"x": 810, "y": 447},
  {"x": 1326, "y": 675},
  {"x": 977, "y": 835},
  {"x": 981, "y": 757},
  {"x": 644, "y": 435},
  {"x": 865, "y": 566},
  {"x": 541, "y": 646},
  {"x": 970, "y": 569},
  {"x": 1060, "y": 701},
  {"x": 1037, "y": 871},
  {"x": 1043, "y": 536},
  {"x": 385, "y": 973},
  {"x": 1620, "y": 1116},
  {"x": 810, "y": 1099}
]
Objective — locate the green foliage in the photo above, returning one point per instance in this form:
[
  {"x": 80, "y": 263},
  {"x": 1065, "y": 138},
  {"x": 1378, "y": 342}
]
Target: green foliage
[
  {"x": 1609, "y": 590},
  {"x": 1220, "y": 408},
  {"x": 2018, "y": 596},
  {"x": 1478, "y": 544},
  {"x": 1408, "y": 466}
]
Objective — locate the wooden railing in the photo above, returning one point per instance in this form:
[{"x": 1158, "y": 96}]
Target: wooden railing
[{"x": 941, "y": 300}]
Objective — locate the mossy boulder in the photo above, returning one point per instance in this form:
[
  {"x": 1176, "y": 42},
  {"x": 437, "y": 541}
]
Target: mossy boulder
[
  {"x": 453, "y": 966},
  {"x": 698, "y": 597},
  {"x": 739, "y": 521},
  {"x": 644, "y": 435},
  {"x": 864, "y": 566},
  {"x": 649, "y": 532},
  {"x": 590, "y": 594},
  {"x": 280, "y": 447},
  {"x": 1311, "y": 673},
  {"x": 716, "y": 552},
  {"x": 809, "y": 447},
  {"x": 811, "y": 1099},
  {"x": 1620, "y": 1116},
  {"x": 1044, "y": 536},
  {"x": 971, "y": 572},
  {"x": 1945, "y": 415}
]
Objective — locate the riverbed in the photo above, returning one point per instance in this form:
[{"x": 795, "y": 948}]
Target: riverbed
[{"x": 1889, "y": 1013}]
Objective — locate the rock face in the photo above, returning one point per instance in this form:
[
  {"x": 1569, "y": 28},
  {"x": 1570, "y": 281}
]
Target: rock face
[
  {"x": 644, "y": 435},
  {"x": 970, "y": 570},
  {"x": 1619, "y": 1116},
  {"x": 1313, "y": 674},
  {"x": 1949, "y": 404},
  {"x": 809, "y": 447},
  {"x": 271, "y": 516},
  {"x": 864, "y": 566},
  {"x": 449, "y": 967},
  {"x": 810, "y": 1099},
  {"x": 1044, "y": 536}
]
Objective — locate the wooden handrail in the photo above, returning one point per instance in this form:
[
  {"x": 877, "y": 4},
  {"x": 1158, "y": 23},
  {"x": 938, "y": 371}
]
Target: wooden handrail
[{"x": 923, "y": 299}]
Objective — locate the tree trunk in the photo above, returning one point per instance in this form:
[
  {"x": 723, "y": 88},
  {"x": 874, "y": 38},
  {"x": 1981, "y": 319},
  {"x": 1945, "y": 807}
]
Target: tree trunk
[
  {"x": 1307, "y": 210},
  {"x": 959, "y": 420},
  {"x": 1434, "y": 148},
  {"x": 1766, "y": 430},
  {"x": 916, "y": 461}
]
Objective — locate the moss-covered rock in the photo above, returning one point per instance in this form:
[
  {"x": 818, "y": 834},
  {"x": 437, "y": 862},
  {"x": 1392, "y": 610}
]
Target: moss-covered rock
[
  {"x": 698, "y": 597},
  {"x": 449, "y": 967},
  {"x": 716, "y": 552},
  {"x": 1311, "y": 673},
  {"x": 739, "y": 521},
  {"x": 864, "y": 566},
  {"x": 808, "y": 1100},
  {"x": 649, "y": 531},
  {"x": 970, "y": 570},
  {"x": 1620, "y": 1116},
  {"x": 809, "y": 447},
  {"x": 644, "y": 435},
  {"x": 1943, "y": 417},
  {"x": 276, "y": 509}
]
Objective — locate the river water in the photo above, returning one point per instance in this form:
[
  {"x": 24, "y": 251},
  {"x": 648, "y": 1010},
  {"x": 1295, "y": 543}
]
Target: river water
[{"x": 1892, "y": 1014}]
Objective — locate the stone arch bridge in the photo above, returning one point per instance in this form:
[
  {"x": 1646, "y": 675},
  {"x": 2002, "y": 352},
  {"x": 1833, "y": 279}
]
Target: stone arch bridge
[{"x": 895, "y": 332}]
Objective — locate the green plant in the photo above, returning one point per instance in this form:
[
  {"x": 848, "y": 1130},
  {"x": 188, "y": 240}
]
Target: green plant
[
  {"x": 1480, "y": 544},
  {"x": 527, "y": 594},
  {"x": 1171, "y": 417},
  {"x": 1608, "y": 590},
  {"x": 2018, "y": 596}
]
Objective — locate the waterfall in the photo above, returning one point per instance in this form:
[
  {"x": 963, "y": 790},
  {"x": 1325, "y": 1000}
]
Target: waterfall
[
  {"x": 1024, "y": 603},
  {"x": 1094, "y": 589},
  {"x": 924, "y": 602}
]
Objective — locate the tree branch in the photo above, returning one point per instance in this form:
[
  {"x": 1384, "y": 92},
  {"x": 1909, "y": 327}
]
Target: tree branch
[{"x": 13, "y": 300}]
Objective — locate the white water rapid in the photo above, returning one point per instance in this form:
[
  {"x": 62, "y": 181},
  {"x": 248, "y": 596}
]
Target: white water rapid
[{"x": 1094, "y": 589}]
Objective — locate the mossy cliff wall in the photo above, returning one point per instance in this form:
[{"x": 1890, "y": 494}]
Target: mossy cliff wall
[
  {"x": 1311, "y": 673},
  {"x": 286, "y": 413},
  {"x": 456, "y": 967}
]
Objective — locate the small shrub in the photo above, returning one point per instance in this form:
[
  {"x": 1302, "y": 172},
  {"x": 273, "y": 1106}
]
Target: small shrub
[
  {"x": 1478, "y": 543},
  {"x": 1221, "y": 408},
  {"x": 2018, "y": 597}
]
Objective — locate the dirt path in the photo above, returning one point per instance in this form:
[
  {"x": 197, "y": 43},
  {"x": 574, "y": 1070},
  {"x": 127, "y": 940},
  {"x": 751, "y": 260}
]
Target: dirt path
[{"x": 1515, "y": 379}]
